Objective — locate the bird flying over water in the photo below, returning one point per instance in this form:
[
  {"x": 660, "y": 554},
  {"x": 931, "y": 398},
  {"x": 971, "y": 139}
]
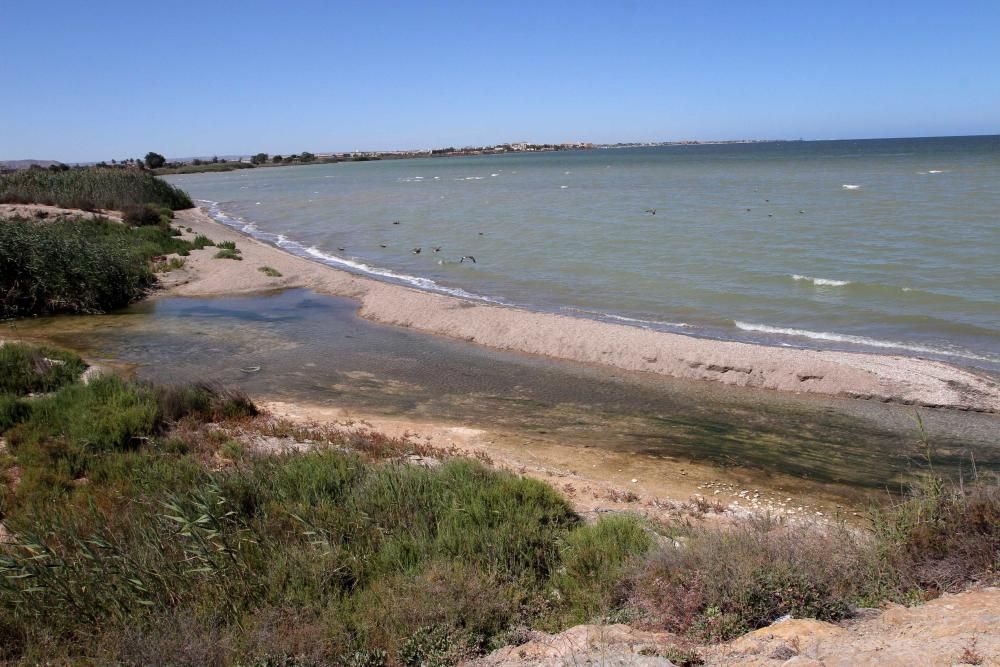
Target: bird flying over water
[
  {"x": 651, "y": 211},
  {"x": 465, "y": 257},
  {"x": 381, "y": 245},
  {"x": 416, "y": 251},
  {"x": 437, "y": 248},
  {"x": 395, "y": 222}
]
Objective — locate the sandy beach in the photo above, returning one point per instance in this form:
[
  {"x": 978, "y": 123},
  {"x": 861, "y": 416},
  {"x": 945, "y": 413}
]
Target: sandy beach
[{"x": 907, "y": 380}]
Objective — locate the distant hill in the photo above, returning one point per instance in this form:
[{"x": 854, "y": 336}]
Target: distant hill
[{"x": 25, "y": 164}]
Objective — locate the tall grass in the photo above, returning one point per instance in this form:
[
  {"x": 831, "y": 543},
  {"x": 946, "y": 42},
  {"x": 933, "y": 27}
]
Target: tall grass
[
  {"x": 77, "y": 266},
  {"x": 90, "y": 188}
]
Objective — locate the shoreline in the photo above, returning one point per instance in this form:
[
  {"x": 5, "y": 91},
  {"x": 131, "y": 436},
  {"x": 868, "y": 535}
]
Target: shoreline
[{"x": 888, "y": 378}]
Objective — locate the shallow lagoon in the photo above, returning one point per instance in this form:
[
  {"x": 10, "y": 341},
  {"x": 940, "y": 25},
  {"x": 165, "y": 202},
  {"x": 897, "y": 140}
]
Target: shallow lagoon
[{"x": 314, "y": 349}]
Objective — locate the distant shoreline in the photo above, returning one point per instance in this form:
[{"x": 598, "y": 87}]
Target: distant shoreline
[{"x": 886, "y": 378}]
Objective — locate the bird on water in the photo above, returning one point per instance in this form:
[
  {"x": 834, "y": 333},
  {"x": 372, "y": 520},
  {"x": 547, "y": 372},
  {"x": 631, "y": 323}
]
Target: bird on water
[{"x": 467, "y": 257}]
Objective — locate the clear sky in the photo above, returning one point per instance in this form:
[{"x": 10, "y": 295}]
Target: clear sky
[{"x": 99, "y": 80}]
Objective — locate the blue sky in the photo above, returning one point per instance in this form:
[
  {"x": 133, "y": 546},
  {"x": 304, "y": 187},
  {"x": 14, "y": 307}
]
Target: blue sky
[{"x": 90, "y": 81}]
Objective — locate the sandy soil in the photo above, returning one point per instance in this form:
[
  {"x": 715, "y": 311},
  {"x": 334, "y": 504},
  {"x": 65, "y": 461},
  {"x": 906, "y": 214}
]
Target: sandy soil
[{"x": 868, "y": 376}]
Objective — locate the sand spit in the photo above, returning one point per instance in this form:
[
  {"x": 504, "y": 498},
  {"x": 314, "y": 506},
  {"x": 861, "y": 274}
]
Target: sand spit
[{"x": 869, "y": 376}]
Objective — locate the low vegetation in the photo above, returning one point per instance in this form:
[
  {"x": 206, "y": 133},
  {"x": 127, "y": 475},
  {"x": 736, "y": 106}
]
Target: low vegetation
[
  {"x": 269, "y": 271},
  {"x": 90, "y": 189},
  {"x": 165, "y": 525},
  {"x": 144, "y": 533}
]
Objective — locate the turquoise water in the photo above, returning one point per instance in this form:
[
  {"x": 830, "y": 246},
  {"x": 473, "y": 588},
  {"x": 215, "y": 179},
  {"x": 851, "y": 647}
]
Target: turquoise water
[{"x": 883, "y": 245}]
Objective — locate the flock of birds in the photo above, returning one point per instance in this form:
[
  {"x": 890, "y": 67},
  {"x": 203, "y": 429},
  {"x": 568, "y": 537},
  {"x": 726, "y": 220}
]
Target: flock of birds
[
  {"x": 472, "y": 259},
  {"x": 418, "y": 250}
]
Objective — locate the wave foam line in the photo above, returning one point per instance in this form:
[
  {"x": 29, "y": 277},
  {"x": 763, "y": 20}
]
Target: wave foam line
[
  {"x": 296, "y": 248},
  {"x": 644, "y": 324},
  {"x": 825, "y": 282},
  {"x": 857, "y": 340}
]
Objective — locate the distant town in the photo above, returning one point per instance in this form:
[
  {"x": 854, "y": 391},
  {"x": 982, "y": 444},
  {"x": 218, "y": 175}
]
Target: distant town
[{"x": 161, "y": 165}]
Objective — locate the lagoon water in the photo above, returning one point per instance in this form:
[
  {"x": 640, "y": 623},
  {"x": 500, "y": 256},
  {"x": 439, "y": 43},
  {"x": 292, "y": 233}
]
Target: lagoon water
[{"x": 883, "y": 245}]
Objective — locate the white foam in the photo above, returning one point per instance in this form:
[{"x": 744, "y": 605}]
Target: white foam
[
  {"x": 848, "y": 186},
  {"x": 215, "y": 211},
  {"x": 643, "y": 324},
  {"x": 823, "y": 282},
  {"x": 416, "y": 281},
  {"x": 856, "y": 340},
  {"x": 635, "y": 320},
  {"x": 563, "y": 187},
  {"x": 935, "y": 171}
]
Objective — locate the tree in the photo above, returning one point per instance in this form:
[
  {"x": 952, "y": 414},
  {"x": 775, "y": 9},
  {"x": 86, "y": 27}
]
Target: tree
[
  {"x": 306, "y": 156},
  {"x": 259, "y": 158},
  {"x": 155, "y": 160},
  {"x": 276, "y": 159}
]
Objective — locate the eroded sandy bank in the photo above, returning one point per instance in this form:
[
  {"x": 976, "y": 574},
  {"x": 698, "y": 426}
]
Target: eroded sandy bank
[{"x": 870, "y": 376}]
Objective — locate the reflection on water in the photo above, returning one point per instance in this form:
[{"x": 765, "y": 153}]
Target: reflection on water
[{"x": 313, "y": 348}]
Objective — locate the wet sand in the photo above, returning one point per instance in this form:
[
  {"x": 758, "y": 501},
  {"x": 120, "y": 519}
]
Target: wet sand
[{"x": 905, "y": 380}]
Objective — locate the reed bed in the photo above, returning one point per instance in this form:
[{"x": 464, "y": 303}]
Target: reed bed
[{"x": 90, "y": 189}]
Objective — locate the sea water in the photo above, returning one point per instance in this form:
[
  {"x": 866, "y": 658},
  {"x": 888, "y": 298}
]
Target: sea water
[{"x": 888, "y": 245}]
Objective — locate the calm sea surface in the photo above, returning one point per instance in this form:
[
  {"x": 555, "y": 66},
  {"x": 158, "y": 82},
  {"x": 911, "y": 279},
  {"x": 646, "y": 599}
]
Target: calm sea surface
[{"x": 883, "y": 245}]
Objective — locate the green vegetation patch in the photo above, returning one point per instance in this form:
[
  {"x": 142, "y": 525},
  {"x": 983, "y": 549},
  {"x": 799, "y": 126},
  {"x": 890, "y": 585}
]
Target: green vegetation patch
[
  {"x": 269, "y": 272},
  {"x": 228, "y": 250},
  {"x": 27, "y": 369},
  {"x": 91, "y": 188},
  {"x": 203, "y": 167}
]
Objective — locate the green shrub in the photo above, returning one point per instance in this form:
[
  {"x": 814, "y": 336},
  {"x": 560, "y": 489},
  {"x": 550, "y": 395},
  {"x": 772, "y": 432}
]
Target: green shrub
[
  {"x": 227, "y": 245},
  {"x": 201, "y": 241},
  {"x": 26, "y": 369},
  {"x": 90, "y": 188},
  {"x": 594, "y": 560},
  {"x": 228, "y": 253},
  {"x": 269, "y": 272}
]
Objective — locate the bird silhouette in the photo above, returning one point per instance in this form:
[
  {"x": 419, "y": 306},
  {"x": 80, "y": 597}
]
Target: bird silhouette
[
  {"x": 651, "y": 211},
  {"x": 416, "y": 251},
  {"x": 465, "y": 257},
  {"x": 437, "y": 248}
]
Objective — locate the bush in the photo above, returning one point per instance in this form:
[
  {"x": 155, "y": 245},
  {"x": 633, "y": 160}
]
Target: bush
[
  {"x": 141, "y": 215},
  {"x": 205, "y": 401},
  {"x": 228, "y": 253},
  {"x": 722, "y": 583},
  {"x": 939, "y": 538},
  {"x": 269, "y": 272}
]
